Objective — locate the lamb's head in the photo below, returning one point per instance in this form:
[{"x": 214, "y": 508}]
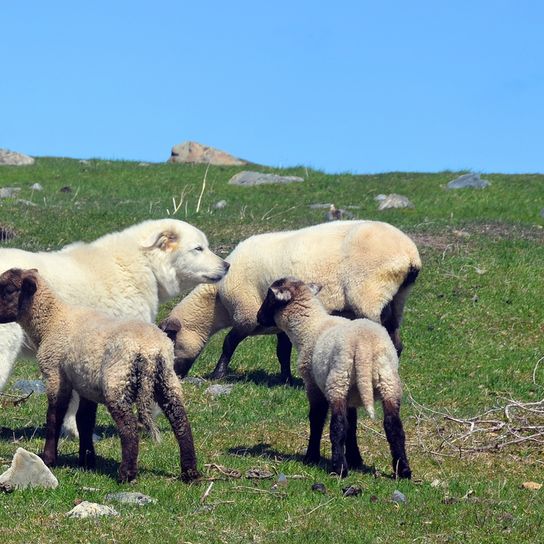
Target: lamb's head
[
  {"x": 17, "y": 287},
  {"x": 180, "y": 257},
  {"x": 282, "y": 295}
]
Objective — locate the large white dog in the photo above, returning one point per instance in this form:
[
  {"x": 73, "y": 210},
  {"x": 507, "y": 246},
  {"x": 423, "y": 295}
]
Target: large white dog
[{"x": 127, "y": 273}]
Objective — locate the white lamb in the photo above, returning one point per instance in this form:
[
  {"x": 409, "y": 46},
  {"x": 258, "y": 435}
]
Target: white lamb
[
  {"x": 367, "y": 269},
  {"x": 344, "y": 364},
  {"x": 106, "y": 360}
]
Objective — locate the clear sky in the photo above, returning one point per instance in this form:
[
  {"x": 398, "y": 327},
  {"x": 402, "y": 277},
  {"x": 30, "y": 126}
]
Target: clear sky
[{"x": 359, "y": 86}]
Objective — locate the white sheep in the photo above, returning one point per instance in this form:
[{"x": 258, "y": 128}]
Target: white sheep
[
  {"x": 344, "y": 364},
  {"x": 126, "y": 274},
  {"x": 367, "y": 269},
  {"x": 106, "y": 360}
]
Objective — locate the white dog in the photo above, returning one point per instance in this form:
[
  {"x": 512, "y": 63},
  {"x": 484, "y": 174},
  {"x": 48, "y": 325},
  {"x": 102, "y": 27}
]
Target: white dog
[{"x": 126, "y": 274}]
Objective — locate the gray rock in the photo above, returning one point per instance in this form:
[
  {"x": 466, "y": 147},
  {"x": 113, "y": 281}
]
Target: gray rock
[
  {"x": 319, "y": 487},
  {"x": 468, "y": 180},
  {"x": 193, "y": 152},
  {"x": 9, "y": 192},
  {"x": 395, "y": 201},
  {"x": 29, "y": 386},
  {"x": 220, "y": 205},
  {"x": 131, "y": 498},
  {"x": 88, "y": 509},
  {"x": 26, "y": 202},
  {"x": 84, "y": 161},
  {"x": 380, "y": 197},
  {"x": 194, "y": 380},
  {"x": 36, "y": 187},
  {"x": 248, "y": 178},
  {"x": 217, "y": 390},
  {"x": 542, "y": 212},
  {"x": 27, "y": 470},
  {"x": 397, "y": 496},
  {"x": 12, "y": 158},
  {"x": 320, "y": 206}
]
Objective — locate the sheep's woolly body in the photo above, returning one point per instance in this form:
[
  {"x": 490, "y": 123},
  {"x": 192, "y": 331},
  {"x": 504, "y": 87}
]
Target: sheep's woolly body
[{"x": 362, "y": 266}]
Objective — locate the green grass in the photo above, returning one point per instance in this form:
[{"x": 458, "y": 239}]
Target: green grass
[{"x": 473, "y": 334}]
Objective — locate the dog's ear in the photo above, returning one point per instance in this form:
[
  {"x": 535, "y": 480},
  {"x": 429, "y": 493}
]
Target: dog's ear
[
  {"x": 166, "y": 241},
  {"x": 171, "y": 326},
  {"x": 281, "y": 294},
  {"x": 314, "y": 288},
  {"x": 28, "y": 288}
]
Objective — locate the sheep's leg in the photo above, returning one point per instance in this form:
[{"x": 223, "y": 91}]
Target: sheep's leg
[
  {"x": 86, "y": 420},
  {"x": 168, "y": 396},
  {"x": 318, "y": 413},
  {"x": 58, "y": 398},
  {"x": 127, "y": 423},
  {"x": 394, "y": 431},
  {"x": 233, "y": 338},
  {"x": 339, "y": 426},
  {"x": 283, "y": 352},
  {"x": 353, "y": 455}
]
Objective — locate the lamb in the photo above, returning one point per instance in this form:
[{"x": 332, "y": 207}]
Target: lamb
[
  {"x": 344, "y": 364},
  {"x": 367, "y": 269},
  {"x": 106, "y": 360},
  {"x": 126, "y": 274}
]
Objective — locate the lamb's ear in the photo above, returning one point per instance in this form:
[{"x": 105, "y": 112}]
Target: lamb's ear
[
  {"x": 28, "y": 288},
  {"x": 171, "y": 326},
  {"x": 166, "y": 241},
  {"x": 314, "y": 288},
  {"x": 281, "y": 293}
]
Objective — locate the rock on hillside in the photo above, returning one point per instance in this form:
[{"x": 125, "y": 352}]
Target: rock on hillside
[
  {"x": 12, "y": 158},
  {"x": 193, "y": 152}
]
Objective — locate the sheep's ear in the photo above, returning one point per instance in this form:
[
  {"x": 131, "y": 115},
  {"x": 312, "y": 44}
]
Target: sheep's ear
[
  {"x": 28, "y": 288},
  {"x": 314, "y": 288},
  {"x": 281, "y": 293},
  {"x": 171, "y": 326},
  {"x": 166, "y": 241}
]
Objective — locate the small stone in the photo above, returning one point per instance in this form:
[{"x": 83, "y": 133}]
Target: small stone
[
  {"x": 380, "y": 197},
  {"x": 259, "y": 474},
  {"x": 248, "y": 178},
  {"x": 91, "y": 489},
  {"x": 475, "y": 299},
  {"x": 220, "y": 205},
  {"x": 30, "y": 386},
  {"x": 398, "y": 496},
  {"x": 87, "y": 509},
  {"x": 131, "y": 498},
  {"x": 217, "y": 390},
  {"x": 395, "y": 201},
  {"x": 36, "y": 187},
  {"x": 351, "y": 491},
  {"x": 319, "y": 487},
  {"x": 194, "y": 380},
  {"x": 468, "y": 180},
  {"x": 320, "y": 206},
  {"x": 84, "y": 161},
  {"x": 282, "y": 480},
  {"x": 28, "y": 470},
  {"x": 9, "y": 192},
  {"x": 437, "y": 483},
  {"x": 532, "y": 486}
]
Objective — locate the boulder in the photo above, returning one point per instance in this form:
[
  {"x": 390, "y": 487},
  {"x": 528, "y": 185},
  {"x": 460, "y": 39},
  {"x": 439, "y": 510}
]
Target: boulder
[
  {"x": 468, "y": 180},
  {"x": 9, "y": 192},
  {"x": 12, "y": 158},
  {"x": 27, "y": 470},
  {"x": 88, "y": 509},
  {"x": 248, "y": 178},
  {"x": 193, "y": 152},
  {"x": 394, "y": 201},
  {"x": 131, "y": 497}
]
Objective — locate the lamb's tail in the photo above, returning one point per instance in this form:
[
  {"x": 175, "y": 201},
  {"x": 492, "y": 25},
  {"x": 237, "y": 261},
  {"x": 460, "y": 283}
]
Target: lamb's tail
[
  {"x": 145, "y": 388},
  {"x": 363, "y": 376}
]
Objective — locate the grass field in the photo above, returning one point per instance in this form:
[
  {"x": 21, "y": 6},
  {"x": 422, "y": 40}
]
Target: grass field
[{"x": 473, "y": 336}]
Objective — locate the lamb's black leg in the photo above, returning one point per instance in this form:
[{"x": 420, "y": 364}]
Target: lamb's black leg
[
  {"x": 283, "y": 352},
  {"x": 230, "y": 344},
  {"x": 353, "y": 455},
  {"x": 168, "y": 396},
  {"x": 339, "y": 426},
  {"x": 392, "y": 425},
  {"x": 86, "y": 420},
  {"x": 318, "y": 413}
]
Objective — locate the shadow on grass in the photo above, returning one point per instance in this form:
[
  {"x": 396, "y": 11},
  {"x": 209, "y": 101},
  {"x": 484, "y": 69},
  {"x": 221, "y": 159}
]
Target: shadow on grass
[
  {"x": 259, "y": 377},
  {"x": 266, "y": 451}
]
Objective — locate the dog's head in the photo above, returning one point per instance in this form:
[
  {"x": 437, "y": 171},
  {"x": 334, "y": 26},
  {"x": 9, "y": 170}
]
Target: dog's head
[
  {"x": 180, "y": 257},
  {"x": 17, "y": 287}
]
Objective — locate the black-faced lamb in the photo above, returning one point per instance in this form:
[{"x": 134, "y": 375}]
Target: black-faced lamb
[
  {"x": 367, "y": 269},
  {"x": 344, "y": 364},
  {"x": 106, "y": 360}
]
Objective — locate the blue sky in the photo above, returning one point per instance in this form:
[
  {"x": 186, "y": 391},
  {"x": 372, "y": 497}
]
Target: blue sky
[{"x": 341, "y": 86}]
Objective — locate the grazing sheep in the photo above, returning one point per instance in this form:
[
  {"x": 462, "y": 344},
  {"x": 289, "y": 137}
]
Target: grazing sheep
[
  {"x": 108, "y": 360},
  {"x": 367, "y": 269},
  {"x": 344, "y": 364},
  {"x": 126, "y": 274}
]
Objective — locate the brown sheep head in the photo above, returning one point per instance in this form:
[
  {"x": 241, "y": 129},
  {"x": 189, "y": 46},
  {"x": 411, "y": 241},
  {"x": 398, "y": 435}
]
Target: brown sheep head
[
  {"x": 17, "y": 287},
  {"x": 280, "y": 294}
]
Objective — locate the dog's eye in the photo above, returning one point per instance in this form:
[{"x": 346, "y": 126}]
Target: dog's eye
[{"x": 199, "y": 248}]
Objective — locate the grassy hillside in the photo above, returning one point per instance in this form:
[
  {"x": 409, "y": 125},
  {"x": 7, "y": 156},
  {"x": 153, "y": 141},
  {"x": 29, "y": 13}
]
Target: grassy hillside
[{"x": 473, "y": 334}]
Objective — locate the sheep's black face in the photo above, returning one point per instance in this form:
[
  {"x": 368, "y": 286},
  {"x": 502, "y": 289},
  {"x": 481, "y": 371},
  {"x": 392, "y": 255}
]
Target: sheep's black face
[
  {"x": 265, "y": 315},
  {"x": 16, "y": 287}
]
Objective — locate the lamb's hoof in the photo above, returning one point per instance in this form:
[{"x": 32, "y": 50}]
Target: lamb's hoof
[
  {"x": 49, "y": 460},
  {"x": 287, "y": 380},
  {"x": 219, "y": 373},
  {"x": 126, "y": 475},
  {"x": 355, "y": 463},
  {"x": 340, "y": 469},
  {"x": 311, "y": 459},
  {"x": 404, "y": 473},
  {"x": 190, "y": 475}
]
